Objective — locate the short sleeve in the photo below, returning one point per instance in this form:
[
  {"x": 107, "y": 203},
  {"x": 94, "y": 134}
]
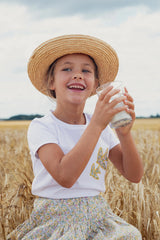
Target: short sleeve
[
  {"x": 39, "y": 134},
  {"x": 110, "y": 137}
]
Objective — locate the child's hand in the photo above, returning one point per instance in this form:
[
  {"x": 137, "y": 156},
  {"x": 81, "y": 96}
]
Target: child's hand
[
  {"x": 129, "y": 109},
  {"x": 105, "y": 110}
]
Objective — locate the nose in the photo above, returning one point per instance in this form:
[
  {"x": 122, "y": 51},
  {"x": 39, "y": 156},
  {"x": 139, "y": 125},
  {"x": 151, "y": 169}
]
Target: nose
[{"x": 77, "y": 76}]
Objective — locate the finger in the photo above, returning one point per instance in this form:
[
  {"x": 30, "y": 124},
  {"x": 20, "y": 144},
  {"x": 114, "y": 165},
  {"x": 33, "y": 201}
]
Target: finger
[
  {"x": 103, "y": 93},
  {"x": 119, "y": 109},
  {"x": 111, "y": 94},
  {"x": 129, "y": 97},
  {"x": 125, "y": 89},
  {"x": 118, "y": 100},
  {"x": 129, "y": 104},
  {"x": 132, "y": 113},
  {"x": 126, "y": 92}
]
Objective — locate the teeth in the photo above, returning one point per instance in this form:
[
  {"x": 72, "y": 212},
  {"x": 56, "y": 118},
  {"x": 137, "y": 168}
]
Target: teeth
[{"x": 76, "y": 86}]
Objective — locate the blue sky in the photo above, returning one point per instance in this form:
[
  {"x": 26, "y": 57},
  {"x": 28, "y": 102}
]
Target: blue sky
[{"x": 131, "y": 27}]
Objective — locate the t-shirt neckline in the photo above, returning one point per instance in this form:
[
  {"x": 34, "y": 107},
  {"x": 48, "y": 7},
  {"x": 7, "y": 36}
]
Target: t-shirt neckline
[{"x": 68, "y": 124}]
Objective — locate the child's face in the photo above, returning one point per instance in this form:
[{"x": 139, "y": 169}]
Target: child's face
[{"x": 74, "y": 78}]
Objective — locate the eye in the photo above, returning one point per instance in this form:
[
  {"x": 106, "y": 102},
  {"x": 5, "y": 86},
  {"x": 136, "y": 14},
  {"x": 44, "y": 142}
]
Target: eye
[
  {"x": 86, "y": 71},
  {"x": 67, "y": 69}
]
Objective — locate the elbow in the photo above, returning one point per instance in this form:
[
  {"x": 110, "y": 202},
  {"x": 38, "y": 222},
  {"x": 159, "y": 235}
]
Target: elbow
[
  {"x": 137, "y": 178},
  {"x": 140, "y": 175},
  {"x": 66, "y": 183},
  {"x": 64, "y": 178},
  {"x": 134, "y": 180}
]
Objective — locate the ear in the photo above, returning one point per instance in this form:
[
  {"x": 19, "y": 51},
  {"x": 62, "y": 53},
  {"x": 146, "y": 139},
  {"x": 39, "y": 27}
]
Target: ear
[
  {"x": 96, "y": 84},
  {"x": 52, "y": 85}
]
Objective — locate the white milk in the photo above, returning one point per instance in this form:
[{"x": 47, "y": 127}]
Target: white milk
[{"x": 122, "y": 118}]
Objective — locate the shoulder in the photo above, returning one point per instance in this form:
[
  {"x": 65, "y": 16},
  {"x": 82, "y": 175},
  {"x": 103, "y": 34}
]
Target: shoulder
[
  {"x": 38, "y": 123},
  {"x": 42, "y": 131},
  {"x": 45, "y": 121},
  {"x": 46, "y": 124}
]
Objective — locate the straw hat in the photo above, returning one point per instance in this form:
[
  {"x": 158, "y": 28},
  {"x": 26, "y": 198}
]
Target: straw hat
[{"x": 44, "y": 55}]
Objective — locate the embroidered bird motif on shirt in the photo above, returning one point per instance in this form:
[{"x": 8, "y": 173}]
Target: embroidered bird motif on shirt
[
  {"x": 101, "y": 161},
  {"x": 102, "y": 158},
  {"x": 95, "y": 171}
]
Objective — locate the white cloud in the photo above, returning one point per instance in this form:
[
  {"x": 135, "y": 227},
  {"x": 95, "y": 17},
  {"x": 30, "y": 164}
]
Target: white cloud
[
  {"x": 133, "y": 32},
  {"x": 43, "y": 9}
]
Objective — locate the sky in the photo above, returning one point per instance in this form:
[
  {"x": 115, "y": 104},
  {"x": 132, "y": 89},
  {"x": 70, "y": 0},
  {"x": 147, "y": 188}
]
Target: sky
[{"x": 132, "y": 28}]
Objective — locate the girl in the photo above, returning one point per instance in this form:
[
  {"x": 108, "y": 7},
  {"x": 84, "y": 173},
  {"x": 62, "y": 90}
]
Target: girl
[{"x": 70, "y": 149}]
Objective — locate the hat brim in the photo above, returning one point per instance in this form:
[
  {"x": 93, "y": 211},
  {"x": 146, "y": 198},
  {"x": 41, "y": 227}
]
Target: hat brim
[{"x": 43, "y": 56}]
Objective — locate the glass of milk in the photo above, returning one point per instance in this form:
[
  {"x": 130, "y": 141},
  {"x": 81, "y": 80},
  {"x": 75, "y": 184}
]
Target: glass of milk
[{"x": 122, "y": 118}]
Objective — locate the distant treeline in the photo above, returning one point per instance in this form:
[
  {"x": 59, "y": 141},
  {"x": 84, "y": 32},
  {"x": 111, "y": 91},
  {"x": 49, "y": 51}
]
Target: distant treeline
[
  {"x": 151, "y": 116},
  {"x": 31, "y": 117},
  {"x": 24, "y": 117}
]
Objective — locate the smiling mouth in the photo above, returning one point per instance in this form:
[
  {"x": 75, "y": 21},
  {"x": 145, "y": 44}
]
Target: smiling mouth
[{"x": 78, "y": 87}]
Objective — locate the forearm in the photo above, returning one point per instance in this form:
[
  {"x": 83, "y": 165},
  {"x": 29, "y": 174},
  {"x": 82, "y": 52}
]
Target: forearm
[
  {"x": 131, "y": 161},
  {"x": 73, "y": 163}
]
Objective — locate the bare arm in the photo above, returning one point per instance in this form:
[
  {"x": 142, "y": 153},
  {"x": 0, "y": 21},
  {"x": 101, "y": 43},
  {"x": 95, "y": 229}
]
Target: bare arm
[
  {"x": 125, "y": 156},
  {"x": 66, "y": 169},
  {"x": 126, "y": 159}
]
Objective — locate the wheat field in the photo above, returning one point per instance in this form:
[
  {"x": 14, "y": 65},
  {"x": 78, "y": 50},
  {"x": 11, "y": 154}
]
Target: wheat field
[{"x": 138, "y": 204}]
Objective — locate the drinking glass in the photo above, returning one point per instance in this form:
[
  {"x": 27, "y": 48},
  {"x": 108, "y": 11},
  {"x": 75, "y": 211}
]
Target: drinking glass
[{"x": 122, "y": 118}]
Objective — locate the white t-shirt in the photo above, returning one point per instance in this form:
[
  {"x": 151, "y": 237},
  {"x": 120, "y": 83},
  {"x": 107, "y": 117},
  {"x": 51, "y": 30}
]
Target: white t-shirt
[{"x": 49, "y": 129}]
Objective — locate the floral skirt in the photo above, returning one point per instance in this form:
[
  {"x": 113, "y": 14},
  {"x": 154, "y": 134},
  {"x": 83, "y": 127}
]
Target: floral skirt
[{"x": 83, "y": 218}]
